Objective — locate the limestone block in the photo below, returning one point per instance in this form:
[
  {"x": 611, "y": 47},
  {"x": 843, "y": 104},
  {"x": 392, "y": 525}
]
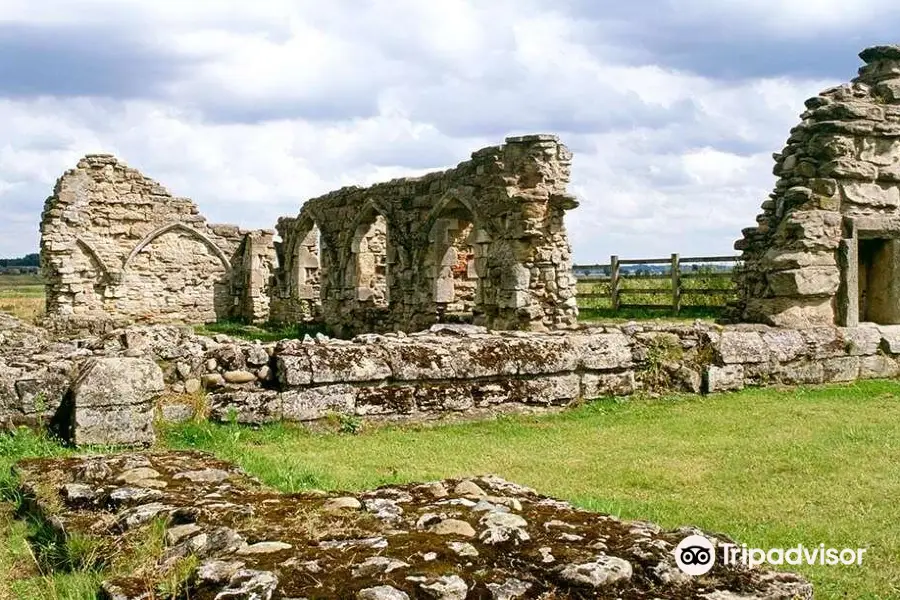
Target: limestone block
[
  {"x": 742, "y": 347},
  {"x": 861, "y": 341},
  {"x": 604, "y": 351},
  {"x": 443, "y": 397},
  {"x": 293, "y": 370},
  {"x": 112, "y": 400},
  {"x": 723, "y": 379},
  {"x": 308, "y": 404},
  {"x": 600, "y": 385},
  {"x": 332, "y": 363},
  {"x": 825, "y": 342},
  {"x": 552, "y": 390},
  {"x": 252, "y": 407},
  {"x": 841, "y": 369},
  {"x": 800, "y": 372},
  {"x": 808, "y": 281},
  {"x": 870, "y": 194},
  {"x": 785, "y": 345},
  {"x": 890, "y": 338},
  {"x": 410, "y": 361},
  {"x": 392, "y": 399},
  {"x": 878, "y": 366}
]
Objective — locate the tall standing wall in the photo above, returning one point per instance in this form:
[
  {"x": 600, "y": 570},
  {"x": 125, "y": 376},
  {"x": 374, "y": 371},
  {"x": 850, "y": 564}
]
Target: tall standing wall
[
  {"x": 484, "y": 242},
  {"x": 118, "y": 247}
]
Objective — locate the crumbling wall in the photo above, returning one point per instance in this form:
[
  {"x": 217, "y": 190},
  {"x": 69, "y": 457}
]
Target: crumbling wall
[
  {"x": 118, "y": 247},
  {"x": 483, "y": 242},
  {"x": 821, "y": 252}
]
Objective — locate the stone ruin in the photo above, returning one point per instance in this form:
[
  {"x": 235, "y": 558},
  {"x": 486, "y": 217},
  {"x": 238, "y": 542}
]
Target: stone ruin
[
  {"x": 826, "y": 248},
  {"x": 117, "y": 247},
  {"x": 483, "y": 242}
]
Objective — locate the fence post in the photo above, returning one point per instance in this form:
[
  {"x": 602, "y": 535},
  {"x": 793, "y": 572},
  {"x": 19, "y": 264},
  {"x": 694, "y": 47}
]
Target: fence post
[
  {"x": 676, "y": 284},
  {"x": 614, "y": 281}
]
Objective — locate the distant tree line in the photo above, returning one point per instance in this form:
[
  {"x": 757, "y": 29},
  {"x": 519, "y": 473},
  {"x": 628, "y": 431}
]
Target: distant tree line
[{"x": 29, "y": 260}]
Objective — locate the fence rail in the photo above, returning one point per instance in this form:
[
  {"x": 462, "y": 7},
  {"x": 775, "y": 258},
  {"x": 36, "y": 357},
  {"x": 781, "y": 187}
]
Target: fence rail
[{"x": 676, "y": 292}]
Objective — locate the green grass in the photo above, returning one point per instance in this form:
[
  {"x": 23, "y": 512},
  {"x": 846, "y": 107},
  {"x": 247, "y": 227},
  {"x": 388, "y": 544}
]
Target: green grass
[
  {"x": 770, "y": 467},
  {"x": 20, "y": 574},
  {"x": 264, "y": 333}
]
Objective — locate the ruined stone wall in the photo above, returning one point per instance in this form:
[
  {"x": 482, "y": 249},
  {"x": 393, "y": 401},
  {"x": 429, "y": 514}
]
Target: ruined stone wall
[
  {"x": 501, "y": 213},
  {"x": 825, "y": 248},
  {"x": 118, "y": 247}
]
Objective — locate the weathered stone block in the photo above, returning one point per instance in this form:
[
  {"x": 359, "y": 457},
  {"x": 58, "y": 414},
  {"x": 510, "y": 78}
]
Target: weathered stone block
[
  {"x": 841, "y": 369},
  {"x": 878, "y": 366},
  {"x": 390, "y": 399},
  {"x": 251, "y": 407},
  {"x": 809, "y": 281},
  {"x": 112, "y": 401},
  {"x": 604, "y": 351},
  {"x": 723, "y": 379},
  {"x": 742, "y": 347},
  {"x": 332, "y": 363},
  {"x": 553, "y": 390},
  {"x": 861, "y": 341},
  {"x": 309, "y": 404},
  {"x": 293, "y": 370},
  {"x": 800, "y": 372},
  {"x": 785, "y": 345},
  {"x": 599, "y": 385}
]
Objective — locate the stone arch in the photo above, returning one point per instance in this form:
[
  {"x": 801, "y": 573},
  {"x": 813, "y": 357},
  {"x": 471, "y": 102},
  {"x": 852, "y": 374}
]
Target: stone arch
[
  {"x": 304, "y": 261},
  {"x": 148, "y": 239},
  {"x": 366, "y": 270},
  {"x": 440, "y": 207},
  {"x": 178, "y": 274},
  {"x": 105, "y": 272},
  {"x": 454, "y": 260}
]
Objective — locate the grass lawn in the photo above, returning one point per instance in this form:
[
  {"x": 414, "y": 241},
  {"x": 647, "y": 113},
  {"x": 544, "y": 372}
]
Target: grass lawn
[{"x": 772, "y": 468}]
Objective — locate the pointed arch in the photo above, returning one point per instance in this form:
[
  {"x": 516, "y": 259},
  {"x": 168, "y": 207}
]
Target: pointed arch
[
  {"x": 89, "y": 250},
  {"x": 365, "y": 255},
  {"x": 440, "y": 207},
  {"x": 178, "y": 227}
]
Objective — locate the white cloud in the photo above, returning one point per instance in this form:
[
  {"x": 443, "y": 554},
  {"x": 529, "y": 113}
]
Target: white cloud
[{"x": 279, "y": 101}]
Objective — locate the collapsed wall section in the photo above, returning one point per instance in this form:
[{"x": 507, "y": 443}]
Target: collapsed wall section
[
  {"x": 826, "y": 248},
  {"x": 483, "y": 243},
  {"x": 117, "y": 247}
]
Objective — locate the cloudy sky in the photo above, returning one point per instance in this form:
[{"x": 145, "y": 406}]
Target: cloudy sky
[{"x": 672, "y": 107}]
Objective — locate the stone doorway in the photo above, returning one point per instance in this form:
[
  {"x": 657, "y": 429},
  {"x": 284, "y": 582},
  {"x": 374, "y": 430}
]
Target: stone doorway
[{"x": 878, "y": 270}]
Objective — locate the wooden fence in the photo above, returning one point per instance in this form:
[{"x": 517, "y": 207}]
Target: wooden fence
[{"x": 618, "y": 293}]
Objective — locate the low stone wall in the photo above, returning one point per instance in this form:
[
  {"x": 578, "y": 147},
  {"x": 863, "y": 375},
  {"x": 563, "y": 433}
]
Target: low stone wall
[{"x": 449, "y": 369}]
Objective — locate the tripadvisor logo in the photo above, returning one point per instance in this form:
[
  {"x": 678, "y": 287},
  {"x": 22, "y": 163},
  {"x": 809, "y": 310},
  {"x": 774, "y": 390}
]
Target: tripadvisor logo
[{"x": 696, "y": 555}]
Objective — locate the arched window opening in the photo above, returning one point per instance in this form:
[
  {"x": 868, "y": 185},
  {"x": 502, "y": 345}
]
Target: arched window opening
[
  {"x": 368, "y": 267},
  {"x": 307, "y": 266},
  {"x": 457, "y": 257}
]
